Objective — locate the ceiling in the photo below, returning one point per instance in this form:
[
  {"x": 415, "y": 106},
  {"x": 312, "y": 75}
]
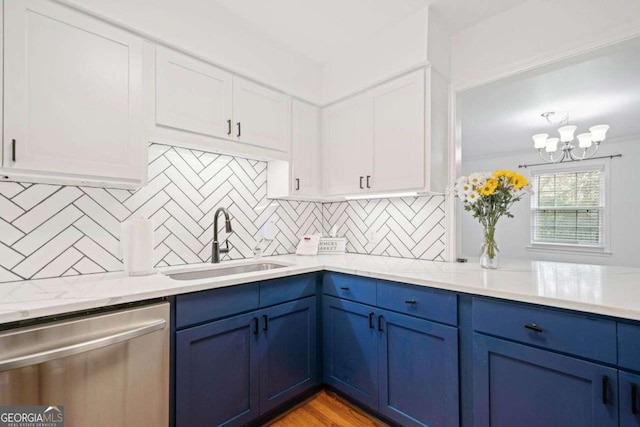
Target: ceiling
[
  {"x": 317, "y": 28},
  {"x": 603, "y": 88}
]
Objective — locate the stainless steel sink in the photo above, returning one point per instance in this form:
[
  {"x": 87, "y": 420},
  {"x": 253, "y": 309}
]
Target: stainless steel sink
[{"x": 225, "y": 271}]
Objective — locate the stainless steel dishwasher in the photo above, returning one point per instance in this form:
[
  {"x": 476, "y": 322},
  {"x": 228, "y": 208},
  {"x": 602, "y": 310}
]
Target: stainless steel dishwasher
[{"x": 109, "y": 369}]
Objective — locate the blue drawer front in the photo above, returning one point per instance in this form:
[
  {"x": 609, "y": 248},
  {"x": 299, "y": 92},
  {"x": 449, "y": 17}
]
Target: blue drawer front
[
  {"x": 419, "y": 301},
  {"x": 285, "y": 289},
  {"x": 576, "y": 334},
  {"x": 354, "y": 288},
  {"x": 629, "y": 346},
  {"x": 214, "y": 304}
]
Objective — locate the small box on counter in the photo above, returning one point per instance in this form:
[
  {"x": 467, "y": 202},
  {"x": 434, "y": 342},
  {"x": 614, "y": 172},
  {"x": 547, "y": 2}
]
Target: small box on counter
[{"x": 332, "y": 245}]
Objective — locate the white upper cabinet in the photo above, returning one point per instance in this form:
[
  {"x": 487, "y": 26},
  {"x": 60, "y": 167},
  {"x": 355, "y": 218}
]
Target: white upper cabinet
[
  {"x": 385, "y": 140},
  {"x": 261, "y": 115},
  {"x": 192, "y": 95},
  {"x": 305, "y": 149},
  {"x": 348, "y": 145},
  {"x": 72, "y": 97},
  {"x": 195, "y": 104},
  {"x": 398, "y": 134}
]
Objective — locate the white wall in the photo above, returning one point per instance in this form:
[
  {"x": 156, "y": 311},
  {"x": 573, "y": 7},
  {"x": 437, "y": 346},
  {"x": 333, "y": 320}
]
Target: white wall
[
  {"x": 513, "y": 235},
  {"x": 414, "y": 40},
  {"x": 536, "y": 32},
  {"x": 224, "y": 40}
]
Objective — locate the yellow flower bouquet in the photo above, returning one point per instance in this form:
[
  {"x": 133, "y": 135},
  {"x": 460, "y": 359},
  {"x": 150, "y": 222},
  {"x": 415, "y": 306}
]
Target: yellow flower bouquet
[{"x": 488, "y": 196}]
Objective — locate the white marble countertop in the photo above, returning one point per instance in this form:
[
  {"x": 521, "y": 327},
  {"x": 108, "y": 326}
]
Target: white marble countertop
[{"x": 613, "y": 291}]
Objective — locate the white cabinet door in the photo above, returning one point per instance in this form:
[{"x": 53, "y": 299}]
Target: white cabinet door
[
  {"x": 305, "y": 148},
  {"x": 398, "y": 134},
  {"x": 347, "y": 139},
  {"x": 261, "y": 116},
  {"x": 72, "y": 94},
  {"x": 192, "y": 95}
]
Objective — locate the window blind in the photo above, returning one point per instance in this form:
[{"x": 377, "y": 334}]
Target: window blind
[{"x": 568, "y": 208}]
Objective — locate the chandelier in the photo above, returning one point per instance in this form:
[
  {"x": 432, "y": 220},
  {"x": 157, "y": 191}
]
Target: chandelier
[{"x": 556, "y": 150}]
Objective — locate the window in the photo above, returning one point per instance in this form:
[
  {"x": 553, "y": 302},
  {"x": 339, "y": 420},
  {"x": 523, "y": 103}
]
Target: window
[{"x": 568, "y": 208}]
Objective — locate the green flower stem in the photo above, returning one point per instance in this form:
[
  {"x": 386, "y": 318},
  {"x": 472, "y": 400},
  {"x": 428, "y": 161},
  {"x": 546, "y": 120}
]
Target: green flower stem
[{"x": 490, "y": 241}]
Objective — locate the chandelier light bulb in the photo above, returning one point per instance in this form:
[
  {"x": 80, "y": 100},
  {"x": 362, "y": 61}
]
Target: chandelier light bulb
[
  {"x": 566, "y": 133},
  {"x": 599, "y": 133},
  {"x": 585, "y": 140},
  {"x": 540, "y": 140},
  {"x": 552, "y": 145}
]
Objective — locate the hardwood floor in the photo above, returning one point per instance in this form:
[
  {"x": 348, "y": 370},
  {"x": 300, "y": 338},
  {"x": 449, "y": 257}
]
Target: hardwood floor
[{"x": 325, "y": 409}]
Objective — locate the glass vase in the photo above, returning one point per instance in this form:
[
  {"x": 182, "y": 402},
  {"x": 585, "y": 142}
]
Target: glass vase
[{"x": 489, "y": 250}]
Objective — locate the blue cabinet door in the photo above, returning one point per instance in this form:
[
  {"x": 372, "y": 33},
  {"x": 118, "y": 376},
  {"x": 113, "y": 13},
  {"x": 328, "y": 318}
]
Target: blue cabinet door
[
  {"x": 217, "y": 373},
  {"x": 350, "y": 349},
  {"x": 517, "y": 385},
  {"x": 629, "y": 399},
  {"x": 288, "y": 352},
  {"x": 418, "y": 363}
]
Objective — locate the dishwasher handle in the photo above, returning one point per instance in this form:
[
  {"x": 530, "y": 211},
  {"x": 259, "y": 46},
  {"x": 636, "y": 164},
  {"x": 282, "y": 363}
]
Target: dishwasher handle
[{"x": 82, "y": 347}]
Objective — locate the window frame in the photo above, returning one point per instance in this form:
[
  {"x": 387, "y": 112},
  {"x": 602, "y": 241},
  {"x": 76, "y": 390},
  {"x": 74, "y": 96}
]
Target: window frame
[{"x": 602, "y": 165}]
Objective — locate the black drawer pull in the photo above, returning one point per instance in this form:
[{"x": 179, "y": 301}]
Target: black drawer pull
[
  {"x": 371, "y": 320},
  {"x": 345, "y": 288},
  {"x": 634, "y": 399},
  {"x": 380, "y": 322},
  {"x": 533, "y": 327},
  {"x": 229, "y": 127},
  {"x": 239, "y": 130},
  {"x": 605, "y": 390},
  {"x": 361, "y": 178},
  {"x": 255, "y": 325},
  {"x": 266, "y": 322},
  {"x": 411, "y": 301}
]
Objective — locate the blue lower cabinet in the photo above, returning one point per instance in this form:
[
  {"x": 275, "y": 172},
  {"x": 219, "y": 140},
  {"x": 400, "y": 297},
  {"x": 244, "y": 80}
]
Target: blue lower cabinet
[
  {"x": 517, "y": 385},
  {"x": 288, "y": 352},
  {"x": 418, "y": 363},
  {"x": 217, "y": 373},
  {"x": 629, "y": 399},
  {"x": 350, "y": 349}
]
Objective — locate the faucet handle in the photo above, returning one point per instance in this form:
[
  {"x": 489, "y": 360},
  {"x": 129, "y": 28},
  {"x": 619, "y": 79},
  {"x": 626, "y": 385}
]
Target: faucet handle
[{"x": 226, "y": 249}]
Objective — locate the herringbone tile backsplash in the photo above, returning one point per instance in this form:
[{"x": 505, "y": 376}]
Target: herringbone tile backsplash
[
  {"x": 404, "y": 227},
  {"x": 52, "y": 230}
]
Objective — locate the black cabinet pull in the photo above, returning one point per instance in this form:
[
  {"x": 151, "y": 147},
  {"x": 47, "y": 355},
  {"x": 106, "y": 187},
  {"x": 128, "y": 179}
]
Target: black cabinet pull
[
  {"x": 361, "y": 186},
  {"x": 380, "y": 322},
  {"x": 605, "y": 390},
  {"x": 345, "y": 288},
  {"x": 255, "y": 325},
  {"x": 368, "y": 179},
  {"x": 266, "y": 322},
  {"x": 533, "y": 327},
  {"x": 239, "y": 130},
  {"x": 297, "y": 183},
  {"x": 371, "y": 320},
  {"x": 634, "y": 399},
  {"x": 13, "y": 150},
  {"x": 229, "y": 127},
  {"x": 411, "y": 301}
]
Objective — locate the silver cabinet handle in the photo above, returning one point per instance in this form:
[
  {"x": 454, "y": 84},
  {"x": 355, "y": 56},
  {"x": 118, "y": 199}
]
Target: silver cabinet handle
[{"x": 70, "y": 350}]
